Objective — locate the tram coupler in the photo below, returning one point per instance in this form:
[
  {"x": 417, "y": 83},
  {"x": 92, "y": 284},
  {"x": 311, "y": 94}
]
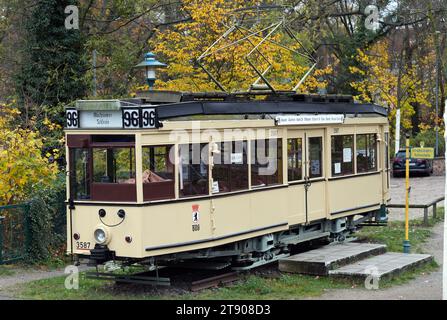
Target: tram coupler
[{"x": 99, "y": 255}]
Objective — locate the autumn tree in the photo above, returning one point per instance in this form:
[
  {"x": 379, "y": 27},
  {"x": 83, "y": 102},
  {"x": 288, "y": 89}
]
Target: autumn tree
[
  {"x": 181, "y": 45},
  {"x": 390, "y": 82},
  {"x": 118, "y": 32},
  {"x": 23, "y": 167}
]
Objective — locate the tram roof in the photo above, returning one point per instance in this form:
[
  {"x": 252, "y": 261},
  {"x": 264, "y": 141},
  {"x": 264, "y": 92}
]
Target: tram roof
[{"x": 171, "y": 104}]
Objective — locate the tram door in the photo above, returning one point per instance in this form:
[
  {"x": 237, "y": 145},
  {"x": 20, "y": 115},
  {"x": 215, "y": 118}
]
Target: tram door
[{"x": 315, "y": 195}]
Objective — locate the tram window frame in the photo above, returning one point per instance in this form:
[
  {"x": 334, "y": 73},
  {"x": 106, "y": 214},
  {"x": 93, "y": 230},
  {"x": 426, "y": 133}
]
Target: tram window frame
[
  {"x": 104, "y": 191},
  {"x": 124, "y": 191},
  {"x": 339, "y": 156},
  {"x": 111, "y": 167},
  {"x": 312, "y": 162},
  {"x": 228, "y": 174},
  {"x": 197, "y": 170},
  {"x": 85, "y": 161},
  {"x": 295, "y": 159},
  {"x": 368, "y": 163},
  {"x": 158, "y": 175},
  {"x": 258, "y": 180}
]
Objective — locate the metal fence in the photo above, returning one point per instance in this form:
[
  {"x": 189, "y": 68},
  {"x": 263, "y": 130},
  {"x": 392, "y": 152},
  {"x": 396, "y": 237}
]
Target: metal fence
[{"x": 14, "y": 232}]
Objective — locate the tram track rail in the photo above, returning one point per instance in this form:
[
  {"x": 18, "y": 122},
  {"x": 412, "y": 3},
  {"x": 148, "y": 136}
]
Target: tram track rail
[{"x": 214, "y": 281}]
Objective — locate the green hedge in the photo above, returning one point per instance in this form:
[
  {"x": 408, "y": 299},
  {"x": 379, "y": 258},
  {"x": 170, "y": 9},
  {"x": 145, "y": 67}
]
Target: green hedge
[
  {"x": 47, "y": 222},
  {"x": 429, "y": 139}
]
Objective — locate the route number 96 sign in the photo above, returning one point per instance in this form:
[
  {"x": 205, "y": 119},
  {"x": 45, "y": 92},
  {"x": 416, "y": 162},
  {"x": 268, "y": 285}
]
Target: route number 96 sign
[
  {"x": 126, "y": 118},
  {"x": 72, "y": 117},
  {"x": 134, "y": 118}
]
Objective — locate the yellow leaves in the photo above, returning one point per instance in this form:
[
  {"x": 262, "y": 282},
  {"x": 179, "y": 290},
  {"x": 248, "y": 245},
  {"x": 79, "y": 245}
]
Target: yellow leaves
[
  {"x": 22, "y": 165},
  {"x": 187, "y": 41},
  {"x": 384, "y": 84},
  {"x": 50, "y": 125}
]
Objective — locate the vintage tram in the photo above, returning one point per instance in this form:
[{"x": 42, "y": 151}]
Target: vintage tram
[{"x": 235, "y": 179}]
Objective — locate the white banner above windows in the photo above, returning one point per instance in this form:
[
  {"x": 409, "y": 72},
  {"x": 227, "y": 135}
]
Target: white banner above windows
[{"x": 285, "y": 120}]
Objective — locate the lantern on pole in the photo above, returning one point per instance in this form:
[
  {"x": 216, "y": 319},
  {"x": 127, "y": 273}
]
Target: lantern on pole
[{"x": 150, "y": 64}]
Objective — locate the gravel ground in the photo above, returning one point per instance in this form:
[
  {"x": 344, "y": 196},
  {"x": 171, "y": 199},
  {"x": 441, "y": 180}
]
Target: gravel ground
[{"x": 423, "y": 190}]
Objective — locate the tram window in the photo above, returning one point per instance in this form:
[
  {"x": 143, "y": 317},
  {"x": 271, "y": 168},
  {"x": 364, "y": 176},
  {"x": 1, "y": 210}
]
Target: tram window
[
  {"x": 266, "y": 162},
  {"x": 366, "y": 152},
  {"x": 79, "y": 174},
  {"x": 342, "y": 155},
  {"x": 230, "y": 171},
  {"x": 294, "y": 159},
  {"x": 158, "y": 173},
  {"x": 194, "y": 170},
  {"x": 315, "y": 157},
  {"x": 114, "y": 165}
]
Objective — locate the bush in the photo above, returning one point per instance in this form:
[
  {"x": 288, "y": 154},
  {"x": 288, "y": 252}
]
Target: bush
[{"x": 47, "y": 221}]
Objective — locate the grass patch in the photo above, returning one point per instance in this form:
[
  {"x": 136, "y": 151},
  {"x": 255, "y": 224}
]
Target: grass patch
[
  {"x": 393, "y": 234},
  {"x": 249, "y": 287},
  {"x": 54, "y": 262},
  {"x": 285, "y": 287},
  {"x": 54, "y": 289},
  {"x": 6, "y": 271}
]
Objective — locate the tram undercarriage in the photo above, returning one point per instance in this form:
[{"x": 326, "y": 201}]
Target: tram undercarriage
[{"x": 253, "y": 252}]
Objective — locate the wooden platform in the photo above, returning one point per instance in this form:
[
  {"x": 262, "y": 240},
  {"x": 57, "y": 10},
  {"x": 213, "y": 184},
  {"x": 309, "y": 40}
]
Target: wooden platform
[
  {"x": 320, "y": 261},
  {"x": 352, "y": 260},
  {"x": 382, "y": 266}
]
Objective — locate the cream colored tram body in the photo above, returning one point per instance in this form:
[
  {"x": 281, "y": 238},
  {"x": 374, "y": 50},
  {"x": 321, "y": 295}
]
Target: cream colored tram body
[{"x": 170, "y": 177}]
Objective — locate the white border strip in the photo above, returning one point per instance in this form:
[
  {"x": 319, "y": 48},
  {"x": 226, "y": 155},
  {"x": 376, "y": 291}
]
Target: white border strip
[{"x": 444, "y": 273}]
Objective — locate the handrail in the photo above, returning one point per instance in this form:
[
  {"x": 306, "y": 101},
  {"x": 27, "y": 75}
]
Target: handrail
[{"x": 418, "y": 206}]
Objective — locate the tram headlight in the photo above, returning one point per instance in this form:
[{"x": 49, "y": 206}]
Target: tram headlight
[{"x": 101, "y": 235}]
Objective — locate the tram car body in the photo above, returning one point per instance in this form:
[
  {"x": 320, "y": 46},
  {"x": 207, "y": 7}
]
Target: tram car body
[{"x": 136, "y": 195}]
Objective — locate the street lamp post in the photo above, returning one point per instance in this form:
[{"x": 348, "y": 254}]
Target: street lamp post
[
  {"x": 406, "y": 244},
  {"x": 150, "y": 64}
]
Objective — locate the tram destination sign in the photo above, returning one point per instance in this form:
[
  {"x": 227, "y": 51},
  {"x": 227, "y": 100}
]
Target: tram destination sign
[
  {"x": 284, "y": 120},
  {"x": 124, "y": 118},
  {"x": 100, "y": 119}
]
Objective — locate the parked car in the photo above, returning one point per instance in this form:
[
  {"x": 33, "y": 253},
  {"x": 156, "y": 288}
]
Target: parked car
[{"x": 424, "y": 166}]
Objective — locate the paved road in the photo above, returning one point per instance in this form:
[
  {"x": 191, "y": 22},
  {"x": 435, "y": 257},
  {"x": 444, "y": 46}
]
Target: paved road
[{"x": 423, "y": 190}]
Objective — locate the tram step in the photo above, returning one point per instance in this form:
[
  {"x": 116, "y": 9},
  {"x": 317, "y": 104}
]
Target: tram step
[
  {"x": 320, "y": 261},
  {"x": 383, "y": 266}
]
